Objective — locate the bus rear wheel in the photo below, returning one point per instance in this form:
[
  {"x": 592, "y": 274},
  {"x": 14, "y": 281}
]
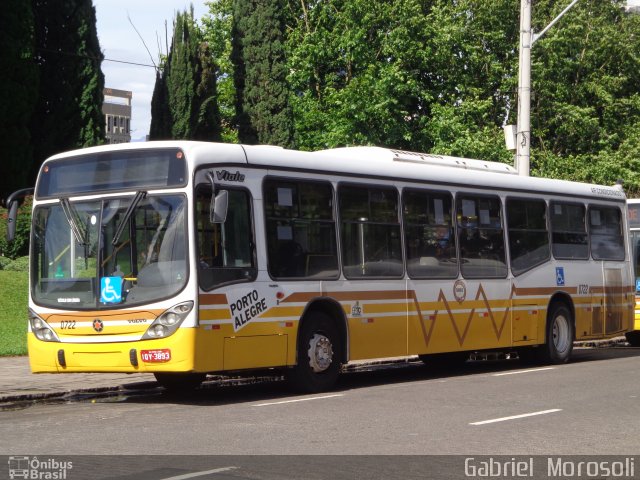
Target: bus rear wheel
[
  {"x": 559, "y": 335},
  {"x": 633, "y": 338},
  {"x": 318, "y": 358},
  {"x": 178, "y": 382}
]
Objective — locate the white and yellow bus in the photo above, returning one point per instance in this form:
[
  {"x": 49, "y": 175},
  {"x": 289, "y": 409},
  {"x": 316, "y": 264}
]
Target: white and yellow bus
[
  {"x": 633, "y": 337},
  {"x": 186, "y": 258}
]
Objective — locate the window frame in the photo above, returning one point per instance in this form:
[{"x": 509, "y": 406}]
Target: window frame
[
  {"x": 252, "y": 224},
  {"x": 461, "y": 195},
  {"x": 555, "y": 201},
  {"x": 508, "y": 232},
  {"x": 334, "y": 222},
  {"x": 340, "y": 221},
  {"x": 452, "y": 225},
  {"x": 590, "y": 234}
]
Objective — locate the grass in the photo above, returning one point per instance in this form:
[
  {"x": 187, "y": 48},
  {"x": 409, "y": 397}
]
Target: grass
[{"x": 13, "y": 312}]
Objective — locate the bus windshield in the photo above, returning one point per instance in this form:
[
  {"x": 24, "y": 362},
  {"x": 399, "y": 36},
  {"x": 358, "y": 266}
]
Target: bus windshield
[{"x": 108, "y": 253}]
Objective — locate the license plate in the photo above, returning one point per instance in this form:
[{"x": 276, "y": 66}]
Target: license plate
[{"x": 155, "y": 356}]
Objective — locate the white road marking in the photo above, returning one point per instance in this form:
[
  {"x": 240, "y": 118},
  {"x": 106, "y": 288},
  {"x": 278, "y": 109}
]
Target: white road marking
[
  {"x": 298, "y": 400},
  {"x": 524, "y": 371},
  {"x": 513, "y": 417},
  {"x": 200, "y": 474}
]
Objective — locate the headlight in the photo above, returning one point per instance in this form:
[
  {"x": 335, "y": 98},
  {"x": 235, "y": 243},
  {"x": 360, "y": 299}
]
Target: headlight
[
  {"x": 40, "y": 329},
  {"x": 167, "y": 323}
]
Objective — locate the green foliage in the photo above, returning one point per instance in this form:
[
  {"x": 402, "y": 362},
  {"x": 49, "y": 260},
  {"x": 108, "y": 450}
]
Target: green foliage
[
  {"x": 20, "y": 264},
  {"x": 217, "y": 34},
  {"x": 258, "y": 54},
  {"x": 184, "y": 103},
  {"x": 14, "y": 289},
  {"x": 68, "y": 113},
  {"x": 441, "y": 76},
  {"x": 586, "y": 106},
  {"x": 4, "y": 261},
  {"x": 412, "y": 74},
  {"x": 20, "y": 244},
  {"x": 160, "y": 128},
  {"x": 18, "y": 86}
]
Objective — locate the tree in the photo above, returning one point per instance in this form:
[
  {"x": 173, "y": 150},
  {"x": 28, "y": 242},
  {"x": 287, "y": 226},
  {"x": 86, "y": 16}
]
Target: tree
[
  {"x": 412, "y": 74},
  {"x": 18, "y": 87},
  {"x": 586, "y": 108},
  {"x": 68, "y": 113},
  {"x": 263, "y": 111},
  {"x": 184, "y": 104},
  {"x": 217, "y": 33},
  {"x": 160, "y": 128},
  {"x": 441, "y": 76}
]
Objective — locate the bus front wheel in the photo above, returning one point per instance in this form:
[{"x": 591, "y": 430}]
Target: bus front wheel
[
  {"x": 318, "y": 357},
  {"x": 178, "y": 382}
]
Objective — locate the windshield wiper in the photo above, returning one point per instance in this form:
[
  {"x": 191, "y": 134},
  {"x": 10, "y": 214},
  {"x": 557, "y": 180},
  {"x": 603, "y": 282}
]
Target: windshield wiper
[
  {"x": 134, "y": 203},
  {"x": 72, "y": 219}
]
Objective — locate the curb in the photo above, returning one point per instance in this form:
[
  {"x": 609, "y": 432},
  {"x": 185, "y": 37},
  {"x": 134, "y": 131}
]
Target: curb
[
  {"x": 8, "y": 401},
  {"x": 62, "y": 395}
]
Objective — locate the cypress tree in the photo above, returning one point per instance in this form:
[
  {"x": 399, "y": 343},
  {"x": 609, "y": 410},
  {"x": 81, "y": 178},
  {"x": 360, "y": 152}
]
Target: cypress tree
[
  {"x": 68, "y": 113},
  {"x": 180, "y": 78},
  {"x": 160, "y": 128},
  {"x": 263, "y": 111},
  {"x": 186, "y": 89},
  {"x": 207, "y": 123},
  {"x": 18, "y": 87}
]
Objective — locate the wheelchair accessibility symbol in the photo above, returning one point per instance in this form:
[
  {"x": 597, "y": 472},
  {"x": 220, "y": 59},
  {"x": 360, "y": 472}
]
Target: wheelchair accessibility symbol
[
  {"x": 110, "y": 289},
  {"x": 560, "y": 276}
]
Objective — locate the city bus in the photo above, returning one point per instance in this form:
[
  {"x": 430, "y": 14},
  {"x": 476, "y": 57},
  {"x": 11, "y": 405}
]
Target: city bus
[
  {"x": 633, "y": 204},
  {"x": 184, "y": 258}
]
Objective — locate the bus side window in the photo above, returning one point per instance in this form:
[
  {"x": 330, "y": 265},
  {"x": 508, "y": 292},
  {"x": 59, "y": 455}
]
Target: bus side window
[
  {"x": 481, "y": 237},
  {"x": 528, "y": 234},
  {"x": 301, "y": 230},
  {"x": 370, "y": 231},
  {"x": 225, "y": 250},
  {"x": 568, "y": 231},
  {"x": 430, "y": 246},
  {"x": 605, "y": 233}
]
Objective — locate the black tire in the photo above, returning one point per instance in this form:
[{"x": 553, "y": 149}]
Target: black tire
[
  {"x": 633, "y": 338},
  {"x": 319, "y": 355},
  {"x": 529, "y": 355},
  {"x": 178, "y": 382},
  {"x": 559, "y": 336}
]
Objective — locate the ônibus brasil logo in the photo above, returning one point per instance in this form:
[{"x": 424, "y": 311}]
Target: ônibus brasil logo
[{"x": 34, "y": 468}]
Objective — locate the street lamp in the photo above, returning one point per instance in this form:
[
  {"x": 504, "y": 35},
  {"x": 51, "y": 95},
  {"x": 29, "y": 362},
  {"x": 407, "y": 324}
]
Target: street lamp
[{"x": 527, "y": 39}]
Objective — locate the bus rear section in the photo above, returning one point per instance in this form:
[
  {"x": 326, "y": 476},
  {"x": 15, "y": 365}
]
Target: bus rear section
[{"x": 633, "y": 205}]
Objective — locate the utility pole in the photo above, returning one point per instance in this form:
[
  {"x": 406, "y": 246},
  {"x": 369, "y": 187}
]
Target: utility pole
[
  {"x": 523, "y": 130},
  {"x": 527, "y": 39}
]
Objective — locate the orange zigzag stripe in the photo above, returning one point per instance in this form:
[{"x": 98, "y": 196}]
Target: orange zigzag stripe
[{"x": 461, "y": 336}]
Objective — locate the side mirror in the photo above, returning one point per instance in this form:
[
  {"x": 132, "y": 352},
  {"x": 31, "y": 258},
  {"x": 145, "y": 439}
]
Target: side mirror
[
  {"x": 219, "y": 203},
  {"x": 13, "y": 202},
  {"x": 11, "y": 220},
  {"x": 219, "y": 207}
]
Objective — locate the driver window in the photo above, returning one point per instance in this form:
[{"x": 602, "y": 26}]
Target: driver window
[{"x": 225, "y": 250}]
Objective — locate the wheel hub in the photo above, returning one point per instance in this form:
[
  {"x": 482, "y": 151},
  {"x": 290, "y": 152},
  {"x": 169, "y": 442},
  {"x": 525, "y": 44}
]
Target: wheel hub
[
  {"x": 561, "y": 333},
  {"x": 320, "y": 353}
]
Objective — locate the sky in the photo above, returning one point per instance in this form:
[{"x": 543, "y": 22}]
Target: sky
[{"x": 119, "y": 41}]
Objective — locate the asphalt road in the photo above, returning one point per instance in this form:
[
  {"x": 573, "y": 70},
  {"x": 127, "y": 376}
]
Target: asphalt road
[{"x": 590, "y": 406}]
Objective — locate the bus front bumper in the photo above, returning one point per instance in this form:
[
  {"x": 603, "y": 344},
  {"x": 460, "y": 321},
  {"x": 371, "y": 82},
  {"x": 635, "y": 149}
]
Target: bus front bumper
[{"x": 171, "y": 354}]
